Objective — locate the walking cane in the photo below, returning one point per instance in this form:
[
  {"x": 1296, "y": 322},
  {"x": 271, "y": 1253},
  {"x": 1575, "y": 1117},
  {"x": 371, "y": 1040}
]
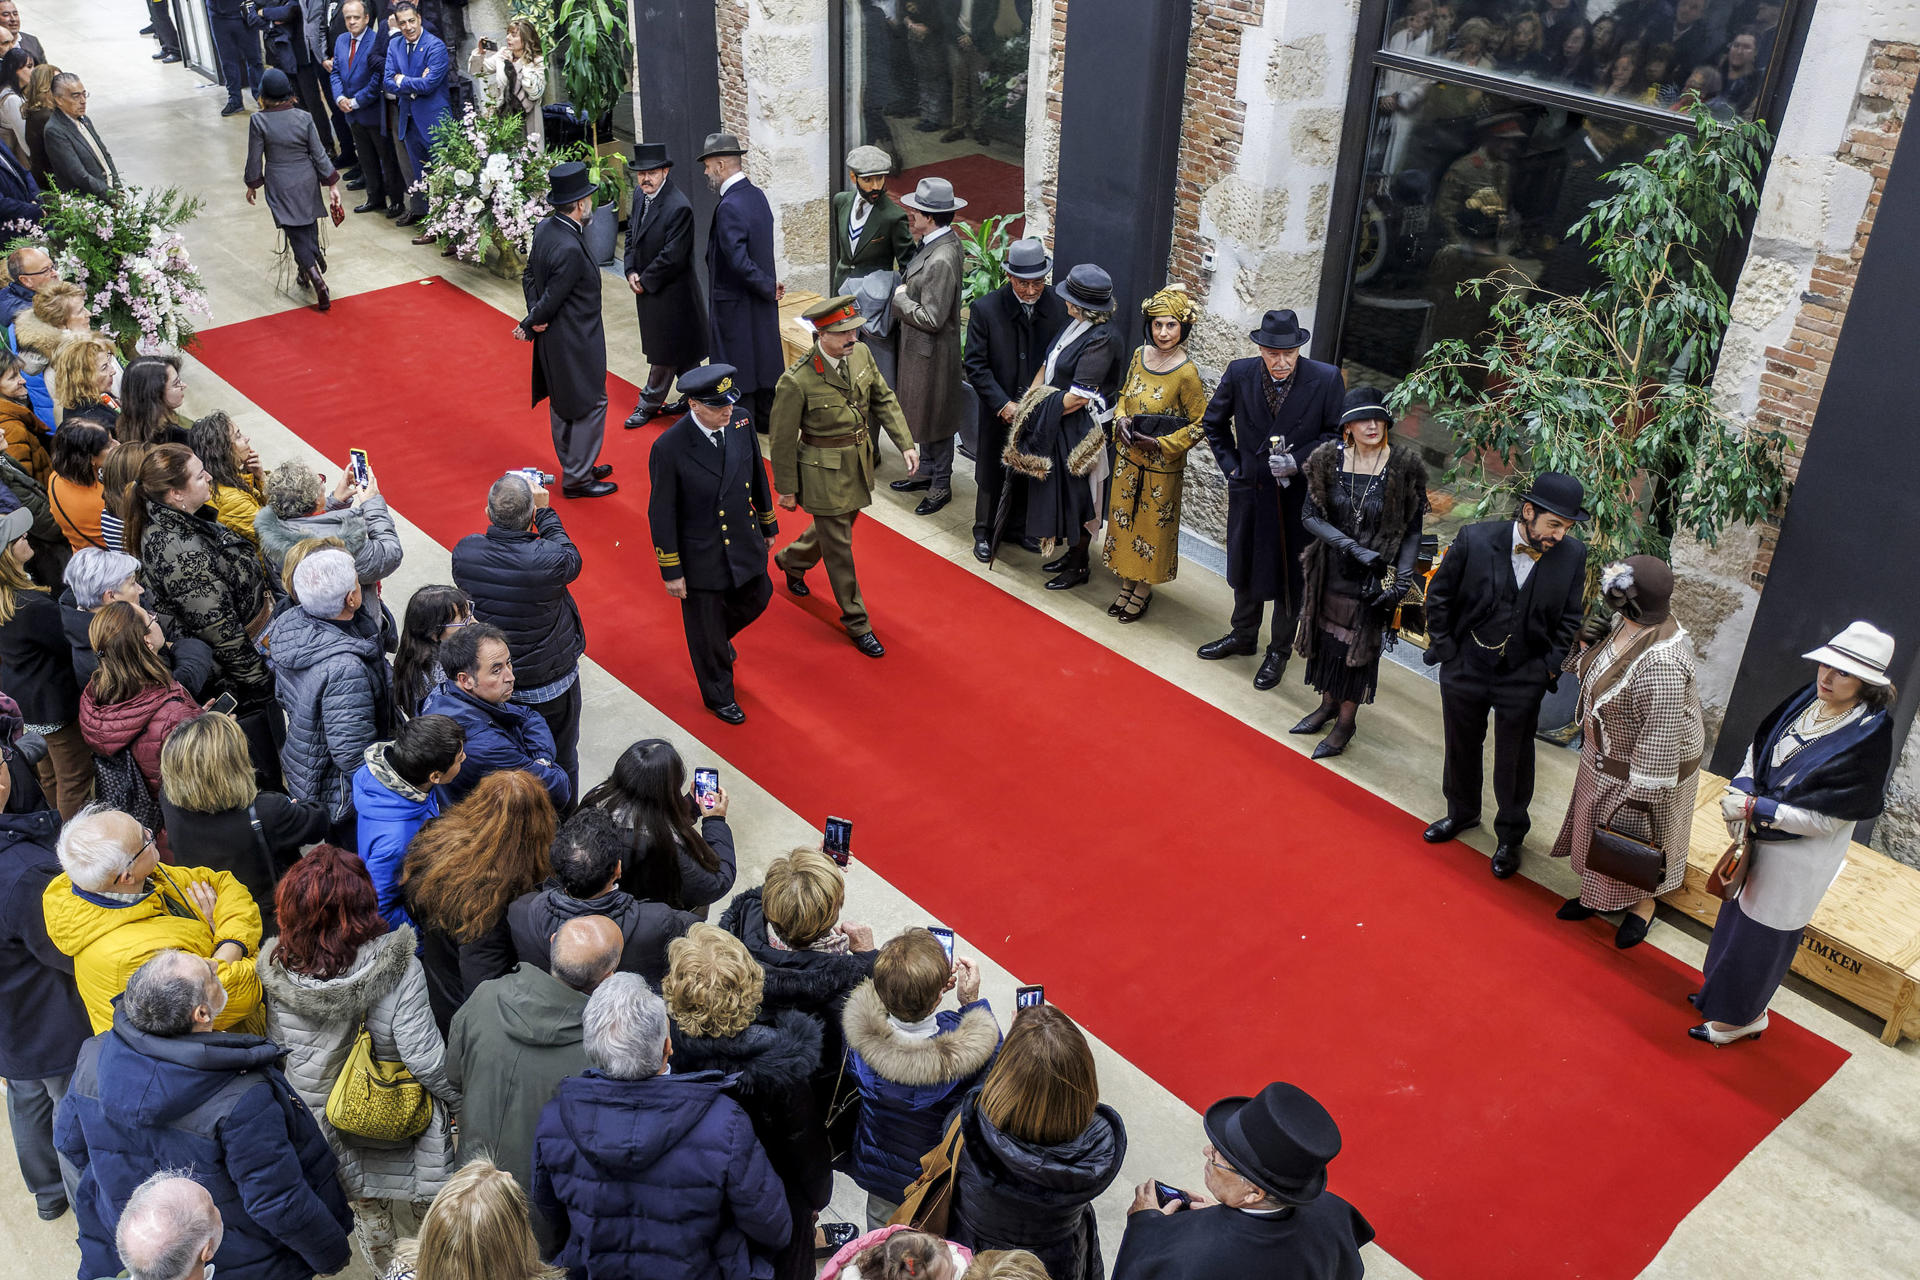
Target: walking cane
[{"x": 1278, "y": 444}]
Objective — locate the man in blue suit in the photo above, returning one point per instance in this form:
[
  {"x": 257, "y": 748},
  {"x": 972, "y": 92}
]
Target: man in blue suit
[
  {"x": 19, "y": 193},
  {"x": 359, "y": 56},
  {"x": 415, "y": 76},
  {"x": 239, "y": 45},
  {"x": 745, "y": 321}
]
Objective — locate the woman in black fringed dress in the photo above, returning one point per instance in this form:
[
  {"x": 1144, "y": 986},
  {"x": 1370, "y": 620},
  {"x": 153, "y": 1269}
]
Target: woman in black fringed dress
[{"x": 1366, "y": 500}]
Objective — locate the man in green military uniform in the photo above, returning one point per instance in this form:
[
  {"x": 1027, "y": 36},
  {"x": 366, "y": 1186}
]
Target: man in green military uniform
[
  {"x": 1488, "y": 165},
  {"x": 826, "y": 407},
  {"x": 869, "y": 231}
]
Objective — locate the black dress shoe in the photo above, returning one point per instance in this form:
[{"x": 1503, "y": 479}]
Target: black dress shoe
[
  {"x": 1574, "y": 909},
  {"x": 368, "y": 207},
  {"x": 912, "y": 484},
  {"x": 1447, "y": 828},
  {"x": 169, "y": 56},
  {"x": 1226, "y": 647},
  {"x": 1506, "y": 861},
  {"x": 1056, "y": 564},
  {"x": 731, "y": 713},
  {"x": 1632, "y": 931},
  {"x": 1272, "y": 667},
  {"x": 869, "y": 644},
  {"x": 147, "y": 30},
  {"x": 602, "y": 470},
  {"x": 356, "y": 184},
  {"x": 408, "y": 218},
  {"x": 1069, "y": 578},
  {"x": 675, "y": 409},
  {"x": 396, "y": 212},
  {"x": 982, "y": 550},
  {"x": 797, "y": 583},
  {"x": 352, "y": 174},
  {"x": 591, "y": 489},
  {"x": 640, "y": 417},
  {"x": 1127, "y": 616},
  {"x": 933, "y": 502},
  {"x": 1030, "y": 544}
]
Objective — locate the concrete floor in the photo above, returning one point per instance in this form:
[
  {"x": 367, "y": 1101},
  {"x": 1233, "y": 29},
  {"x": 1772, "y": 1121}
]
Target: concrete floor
[{"x": 1834, "y": 1192}]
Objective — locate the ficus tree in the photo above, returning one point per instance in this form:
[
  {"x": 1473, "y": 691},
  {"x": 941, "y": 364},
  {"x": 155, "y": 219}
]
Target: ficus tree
[{"x": 594, "y": 54}]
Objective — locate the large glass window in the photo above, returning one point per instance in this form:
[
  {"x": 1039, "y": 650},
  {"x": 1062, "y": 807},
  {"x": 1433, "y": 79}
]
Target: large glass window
[{"x": 941, "y": 85}]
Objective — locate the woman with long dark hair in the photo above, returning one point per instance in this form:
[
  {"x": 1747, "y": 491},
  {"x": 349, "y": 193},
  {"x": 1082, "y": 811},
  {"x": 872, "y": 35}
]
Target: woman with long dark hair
[
  {"x": 75, "y": 493},
  {"x": 132, "y": 702},
  {"x": 674, "y": 861},
  {"x": 16, "y": 72},
  {"x": 433, "y": 613},
  {"x": 151, "y": 394},
  {"x": 239, "y": 481}
]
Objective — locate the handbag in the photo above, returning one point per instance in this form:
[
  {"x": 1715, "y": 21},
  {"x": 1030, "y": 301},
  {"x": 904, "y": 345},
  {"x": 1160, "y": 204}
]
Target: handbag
[
  {"x": 337, "y": 211},
  {"x": 380, "y": 1102},
  {"x": 1728, "y": 874},
  {"x": 118, "y": 784},
  {"x": 1625, "y": 858},
  {"x": 929, "y": 1201}
]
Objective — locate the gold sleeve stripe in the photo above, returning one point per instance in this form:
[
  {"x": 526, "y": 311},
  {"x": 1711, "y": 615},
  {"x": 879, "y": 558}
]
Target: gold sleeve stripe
[{"x": 667, "y": 559}]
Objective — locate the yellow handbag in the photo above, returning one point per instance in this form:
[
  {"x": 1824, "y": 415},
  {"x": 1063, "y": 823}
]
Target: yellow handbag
[{"x": 378, "y": 1101}]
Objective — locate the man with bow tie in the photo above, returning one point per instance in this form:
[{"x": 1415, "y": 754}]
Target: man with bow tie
[{"x": 1503, "y": 609}]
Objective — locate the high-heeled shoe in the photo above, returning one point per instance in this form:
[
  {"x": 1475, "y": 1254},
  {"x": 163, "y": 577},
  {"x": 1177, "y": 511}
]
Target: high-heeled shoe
[
  {"x": 1316, "y": 720},
  {"x": 1706, "y": 1032},
  {"x": 1336, "y": 742},
  {"x": 1134, "y": 615},
  {"x": 322, "y": 296}
]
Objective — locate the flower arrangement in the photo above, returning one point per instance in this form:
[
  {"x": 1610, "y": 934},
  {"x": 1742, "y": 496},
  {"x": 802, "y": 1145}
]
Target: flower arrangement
[
  {"x": 485, "y": 188},
  {"x": 126, "y": 250}
]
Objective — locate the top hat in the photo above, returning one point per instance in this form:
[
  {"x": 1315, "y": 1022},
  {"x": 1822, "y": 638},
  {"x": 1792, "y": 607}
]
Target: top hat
[
  {"x": 649, "y": 155},
  {"x": 14, "y": 526},
  {"x": 1364, "y": 402},
  {"x": 1641, "y": 587},
  {"x": 275, "y": 84},
  {"x": 869, "y": 161},
  {"x": 569, "y": 182},
  {"x": 1862, "y": 650},
  {"x": 710, "y": 384},
  {"x": 834, "y": 315},
  {"x": 721, "y": 144},
  {"x": 934, "y": 195},
  {"x": 1280, "y": 1141},
  {"x": 1280, "y": 330},
  {"x": 1561, "y": 494},
  {"x": 1087, "y": 287},
  {"x": 1027, "y": 260}
]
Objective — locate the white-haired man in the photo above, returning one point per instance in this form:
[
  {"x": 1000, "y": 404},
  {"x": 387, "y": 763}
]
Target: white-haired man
[
  {"x": 169, "y": 1230},
  {"x": 114, "y": 906},
  {"x": 95, "y": 578},
  {"x": 644, "y": 1172}
]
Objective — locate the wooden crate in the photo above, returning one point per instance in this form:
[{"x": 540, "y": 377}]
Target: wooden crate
[
  {"x": 796, "y": 335},
  {"x": 1864, "y": 942}
]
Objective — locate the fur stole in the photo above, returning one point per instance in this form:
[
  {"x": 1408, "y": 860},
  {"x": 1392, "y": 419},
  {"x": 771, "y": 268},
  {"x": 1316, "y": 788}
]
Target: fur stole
[
  {"x": 1401, "y": 504},
  {"x": 916, "y": 1060},
  {"x": 1016, "y": 458}
]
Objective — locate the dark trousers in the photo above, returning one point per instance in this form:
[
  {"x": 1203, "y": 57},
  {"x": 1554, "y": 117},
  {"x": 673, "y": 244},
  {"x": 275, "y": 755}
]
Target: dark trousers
[
  {"x": 30, "y": 1104},
  {"x": 712, "y": 619},
  {"x": 562, "y": 715},
  {"x": 1247, "y": 614},
  {"x": 349, "y": 152},
  {"x": 163, "y": 29},
  {"x": 653, "y": 396},
  {"x": 760, "y": 409},
  {"x": 308, "y": 82},
  {"x": 379, "y": 166},
  {"x": 990, "y": 474},
  {"x": 936, "y": 463},
  {"x": 239, "y": 47},
  {"x": 304, "y": 240},
  {"x": 1470, "y": 691}
]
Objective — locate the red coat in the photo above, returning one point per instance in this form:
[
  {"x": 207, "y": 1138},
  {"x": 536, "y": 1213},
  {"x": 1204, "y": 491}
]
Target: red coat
[{"x": 141, "y": 722}]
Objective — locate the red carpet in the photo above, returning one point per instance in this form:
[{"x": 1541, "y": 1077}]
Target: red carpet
[
  {"x": 990, "y": 187},
  {"x": 1518, "y": 1098}
]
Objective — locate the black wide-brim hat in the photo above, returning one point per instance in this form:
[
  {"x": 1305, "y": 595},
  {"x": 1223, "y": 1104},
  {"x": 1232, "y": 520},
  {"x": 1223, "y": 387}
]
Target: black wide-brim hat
[
  {"x": 649, "y": 155},
  {"x": 569, "y": 182},
  {"x": 1280, "y": 330},
  {"x": 1365, "y": 402},
  {"x": 1561, "y": 494},
  {"x": 1281, "y": 1140},
  {"x": 1088, "y": 287}
]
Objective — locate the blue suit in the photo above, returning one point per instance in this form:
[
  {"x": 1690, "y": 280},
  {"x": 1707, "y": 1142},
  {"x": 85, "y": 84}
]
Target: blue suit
[
  {"x": 361, "y": 81},
  {"x": 420, "y": 97},
  {"x": 19, "y": 193}
]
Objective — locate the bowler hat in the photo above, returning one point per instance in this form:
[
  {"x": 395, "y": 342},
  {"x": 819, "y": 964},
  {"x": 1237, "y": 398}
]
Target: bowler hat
[
  {"x": 710, "y": 384},
  {"x": 869, "y": 161},
  {"x": 934, "y": 195},
  {"x": 1279, "y": 1140},
  {"x": 569, "y": 182},
  {"x": 835, "y": 315},
  {"x": 1561, "y": 494},
  {"x": 650, "y": 155},
  {"x": 1364, "y": 402},
  {"x": 1087, "y": 287},
  {"x": 1280, "y": 330},
  {"x": 1862, "y": 650},
  {"x": 275, "y": 84},
  {"x": 1027, "y": 260},
  {"x": 721, "y": 144}
]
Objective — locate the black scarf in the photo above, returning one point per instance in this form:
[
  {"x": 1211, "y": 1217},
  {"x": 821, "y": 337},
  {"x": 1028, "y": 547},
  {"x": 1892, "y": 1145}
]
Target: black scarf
[{"x": 1842, "y": 774}]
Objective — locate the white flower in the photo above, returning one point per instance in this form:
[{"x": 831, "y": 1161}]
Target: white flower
[
  {"x": 462, "y": 179},
  {"x": 475, "y": 204}
]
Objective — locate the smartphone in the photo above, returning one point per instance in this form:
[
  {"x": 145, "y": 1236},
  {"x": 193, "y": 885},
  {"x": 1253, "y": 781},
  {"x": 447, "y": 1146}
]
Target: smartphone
[
  {"x": 839, "y": 841},
  {"x": 706, "y": 787},
  {"x": 1029, "y": 997},
  {"x": 357, "y": 460},
  {"x": 945, "y": 936},
  {"x": 839, "y": 1234},
  {"x": 225, "y": 704},
  {"x": 1167, "y": 1195}
]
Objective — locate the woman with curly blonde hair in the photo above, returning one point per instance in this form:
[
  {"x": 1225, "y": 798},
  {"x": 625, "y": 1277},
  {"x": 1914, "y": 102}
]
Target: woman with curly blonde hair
[
  {"x": 463, "y": 871},
  {"x": 83, "y": 372}
]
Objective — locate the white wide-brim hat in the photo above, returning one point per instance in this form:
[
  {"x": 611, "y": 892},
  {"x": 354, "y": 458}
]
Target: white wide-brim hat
[{"x": 1862, "y": 650}]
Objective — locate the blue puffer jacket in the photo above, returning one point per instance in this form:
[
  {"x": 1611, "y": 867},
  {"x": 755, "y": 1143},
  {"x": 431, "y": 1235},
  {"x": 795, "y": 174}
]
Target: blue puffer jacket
[
  {"x": 503, "y": 736},
  {"x": 659, "y": 1177},
  {"x": 388, "y": 812},
  {"x": 214, "y": 1104},
  {"x": 333, "y": 680},
  {"x": 909, "y": 1085},
  {"x": 518, "y": 580}
]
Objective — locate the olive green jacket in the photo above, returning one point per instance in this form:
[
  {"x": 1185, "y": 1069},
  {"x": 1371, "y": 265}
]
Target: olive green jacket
[{"x": 812, "y": 398}]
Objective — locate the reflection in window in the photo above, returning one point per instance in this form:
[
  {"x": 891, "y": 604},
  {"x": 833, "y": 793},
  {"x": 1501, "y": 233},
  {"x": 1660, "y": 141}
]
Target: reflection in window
[{"x": 941, "y": 85}]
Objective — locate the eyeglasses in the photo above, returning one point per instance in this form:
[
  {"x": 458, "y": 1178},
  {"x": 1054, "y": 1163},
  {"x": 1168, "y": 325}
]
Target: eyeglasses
[{"x": 146, "y": 843}]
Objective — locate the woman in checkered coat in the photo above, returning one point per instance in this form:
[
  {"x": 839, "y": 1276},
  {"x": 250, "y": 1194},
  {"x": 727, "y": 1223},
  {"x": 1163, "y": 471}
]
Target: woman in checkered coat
[{"x": 1640, "y": 766}]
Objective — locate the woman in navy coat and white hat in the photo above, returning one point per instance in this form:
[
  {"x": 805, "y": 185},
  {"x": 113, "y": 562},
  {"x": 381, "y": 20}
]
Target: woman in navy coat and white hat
[{"x": 1818, "y": 765}]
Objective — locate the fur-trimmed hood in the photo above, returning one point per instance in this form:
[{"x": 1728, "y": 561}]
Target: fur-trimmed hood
[
  {"x": 38, "y": 339},
  {"x": 917, "y": 1060},
  {"x": 331, "y": 1001},
  {"x": 778, "y": 1052},
  {"x": 809, "y": 980}
]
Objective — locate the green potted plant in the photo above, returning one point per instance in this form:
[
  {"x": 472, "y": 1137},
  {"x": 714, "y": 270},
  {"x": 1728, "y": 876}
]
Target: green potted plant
[{"x": 593, "y": 56}]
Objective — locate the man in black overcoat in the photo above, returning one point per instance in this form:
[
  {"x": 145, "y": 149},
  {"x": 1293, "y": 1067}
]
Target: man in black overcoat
[
  {"x": 659, "y": 265},
  {"x": 711, "y": 512},
  {"x": 1008, "y": 333},
  {"x": 1502, "y": 608},
  {"x": 745, "y": 327},
  {"x": 562, "y": 285},
  {"x": 1266, "y": 418}
]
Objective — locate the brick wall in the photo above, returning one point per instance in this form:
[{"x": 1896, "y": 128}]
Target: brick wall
[
  {"x": 1056, "y": 79},
  {"x": 1212, "y": 124},
  {"x": 730, "y": 23},
  {"x": 1795, "y": 372}
]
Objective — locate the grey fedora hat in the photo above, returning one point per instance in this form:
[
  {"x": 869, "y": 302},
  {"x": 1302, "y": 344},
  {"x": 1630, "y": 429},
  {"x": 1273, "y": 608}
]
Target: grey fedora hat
[
  {"x": 721, "y": 144},
  {"x": 934, "y": 195},
  {"x": 1027, "y": 260}
]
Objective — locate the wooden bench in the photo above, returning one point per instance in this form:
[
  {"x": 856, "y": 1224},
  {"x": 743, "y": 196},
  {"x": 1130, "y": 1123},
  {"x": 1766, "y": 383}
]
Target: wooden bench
[{"x": 1864, "y": 942}]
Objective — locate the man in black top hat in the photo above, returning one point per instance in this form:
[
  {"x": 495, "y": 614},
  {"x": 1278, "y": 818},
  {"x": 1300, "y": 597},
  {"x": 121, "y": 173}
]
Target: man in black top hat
[
  {"x": 711, "y": 513},
  {"x": 659, "y": 267},
  {"x": 1266, "y": 1210},
  {"x": 741, "y": 285},
  {"x": 1266, "y": 418},
  {"x": 562, "y": 285},
  {"x": 1502, "y": 609}
]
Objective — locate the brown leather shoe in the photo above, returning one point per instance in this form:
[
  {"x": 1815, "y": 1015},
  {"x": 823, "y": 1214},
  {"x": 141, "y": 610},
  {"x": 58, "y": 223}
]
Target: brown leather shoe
[{"x": 426, "y": 239}]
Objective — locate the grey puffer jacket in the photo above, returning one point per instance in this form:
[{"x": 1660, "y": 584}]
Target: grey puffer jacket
[
  {"x": 334, "y": 682},
  {"x": 316, "y": 1020},
  {"x": 367, "y": 530}
]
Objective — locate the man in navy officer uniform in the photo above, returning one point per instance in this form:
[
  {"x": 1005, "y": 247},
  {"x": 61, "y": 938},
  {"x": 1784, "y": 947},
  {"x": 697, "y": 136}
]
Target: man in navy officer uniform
[{"x": 712, "y": 514}]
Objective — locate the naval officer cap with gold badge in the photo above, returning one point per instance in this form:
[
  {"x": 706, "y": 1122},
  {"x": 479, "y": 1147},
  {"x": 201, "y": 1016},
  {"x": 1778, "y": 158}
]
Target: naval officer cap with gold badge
[{"x": 710, "y": 384}]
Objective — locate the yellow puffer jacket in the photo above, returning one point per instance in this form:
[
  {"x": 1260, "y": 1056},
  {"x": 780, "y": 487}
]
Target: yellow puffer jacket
[
  {"x": 237, "y": 505},
  {"x": 109, "y": 940}
]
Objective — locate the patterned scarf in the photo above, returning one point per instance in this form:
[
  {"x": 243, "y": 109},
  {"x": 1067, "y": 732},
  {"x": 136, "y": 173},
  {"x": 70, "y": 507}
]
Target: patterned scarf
[{"x": 833, "y": 943}]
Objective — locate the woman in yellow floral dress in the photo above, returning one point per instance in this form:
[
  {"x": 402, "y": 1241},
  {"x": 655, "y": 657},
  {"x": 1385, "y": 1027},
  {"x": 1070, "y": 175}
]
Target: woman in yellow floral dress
[{"x": 1156, "y": 421}]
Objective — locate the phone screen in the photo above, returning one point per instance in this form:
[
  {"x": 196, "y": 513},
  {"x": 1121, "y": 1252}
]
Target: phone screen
[
  {"x": 225, "y": 703},
  {"x": 706, "y": 786},
  {"x": 1029, "y": 997},
  {"x": 945, "y": 936},
  {"x": 357, "y": 459},
  {"x": 839, "y": 841}
]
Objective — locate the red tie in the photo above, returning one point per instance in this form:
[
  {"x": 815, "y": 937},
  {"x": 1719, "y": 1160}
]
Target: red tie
[{"x": 353, "y": 47}]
